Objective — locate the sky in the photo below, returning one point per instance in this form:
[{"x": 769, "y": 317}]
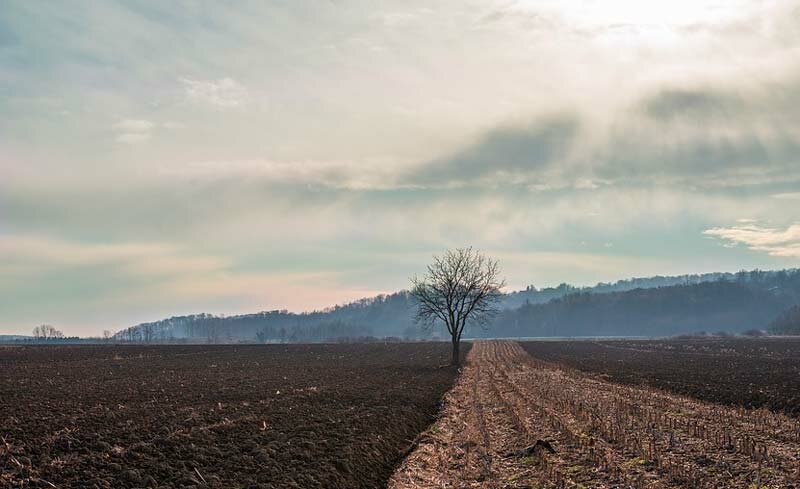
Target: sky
[{"x": 164, "y": 158}]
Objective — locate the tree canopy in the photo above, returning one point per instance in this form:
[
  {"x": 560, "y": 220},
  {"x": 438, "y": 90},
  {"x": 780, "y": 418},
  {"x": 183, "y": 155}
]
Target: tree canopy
[{"x": 460, "y": 287}]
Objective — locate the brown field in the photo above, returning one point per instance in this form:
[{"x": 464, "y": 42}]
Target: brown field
[
  {"x": 342, "y": 416},
  {"x": 747, "y": 372},
  {"x": 603, "y": 434},
  {"x": 214, "y": 416}
]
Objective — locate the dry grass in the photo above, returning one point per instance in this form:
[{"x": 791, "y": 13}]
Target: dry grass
[{"x": 605, "y": 435}]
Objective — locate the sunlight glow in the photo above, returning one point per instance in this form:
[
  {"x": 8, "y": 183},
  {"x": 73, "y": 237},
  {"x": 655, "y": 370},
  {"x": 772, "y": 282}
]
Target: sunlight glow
[{"x": 633, "y": 13}]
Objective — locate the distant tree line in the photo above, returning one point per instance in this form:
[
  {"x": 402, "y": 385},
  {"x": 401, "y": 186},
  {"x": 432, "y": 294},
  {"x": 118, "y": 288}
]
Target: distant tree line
[
  {"x": 46, "y": 332},
  {"x": 662, "y": 311},
  {"x": 724, "y": 302},
  {"x": 787, "y": 323}
]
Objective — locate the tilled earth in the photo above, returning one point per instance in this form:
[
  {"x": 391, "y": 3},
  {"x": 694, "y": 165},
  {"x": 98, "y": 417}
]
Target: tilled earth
[
  {"x": 602, "y": 434},
  {"x": 214, "y": 416},
  {"x": 748, "y": 372}
]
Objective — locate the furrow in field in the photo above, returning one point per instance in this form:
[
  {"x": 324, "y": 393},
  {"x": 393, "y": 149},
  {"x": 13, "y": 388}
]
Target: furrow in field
[{"x": 604, "y": 435}]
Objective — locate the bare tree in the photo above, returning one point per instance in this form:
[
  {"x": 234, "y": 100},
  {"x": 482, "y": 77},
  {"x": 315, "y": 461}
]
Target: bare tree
[
  {"x": 106, "y": 335},
  {"x": 213, "y": 329},
  {"x": 461, "y": 287},
  {"x": 147, "y": 332},
  {"x": 45, "y": 332}
]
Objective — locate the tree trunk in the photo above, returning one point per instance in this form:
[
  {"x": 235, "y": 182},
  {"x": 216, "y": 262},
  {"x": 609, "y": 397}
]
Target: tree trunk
[{"x": 456, "y": 357}]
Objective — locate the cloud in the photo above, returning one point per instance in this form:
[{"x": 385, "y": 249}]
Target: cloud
[
  {"x": 706, "y": 137},
  {"x": 132, "y": 137},
  {"x": 73, "y": 283},
  {"x": 518, "y": 154},
  {"x": 695, "y": 104},
  {"x": 510, "y": 153},
  {"x": 224, "y": 93},
  {"x": 700, "y": 160},
  {"x": 132, "y": 131},
  {"x": 371, "y": 174},
  {"x": 37, "y": 252},
  {"x": 173, "y": 125},
  {"x": 787, "y": 196},
  {"x": 585, "y": 184},
  {"x": 134, "y": 125},
  {"x": 400, "y": 19},
  {"x": 773, "y": 241}
]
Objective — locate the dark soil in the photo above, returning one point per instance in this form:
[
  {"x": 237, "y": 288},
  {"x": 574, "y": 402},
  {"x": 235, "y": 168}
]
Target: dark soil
[
  {"x": 747, "y": 372},
  {"x": 279, "y": 416}
]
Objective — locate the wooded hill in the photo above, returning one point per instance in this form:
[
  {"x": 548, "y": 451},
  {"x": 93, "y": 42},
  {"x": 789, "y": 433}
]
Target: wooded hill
[
  {"x": 656, "y": 306},
  {"x": 788, "y": 323}
]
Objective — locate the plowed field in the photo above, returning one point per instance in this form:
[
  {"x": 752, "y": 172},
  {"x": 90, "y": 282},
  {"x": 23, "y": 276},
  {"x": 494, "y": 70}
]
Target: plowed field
[{"x": 301, "y": 416}]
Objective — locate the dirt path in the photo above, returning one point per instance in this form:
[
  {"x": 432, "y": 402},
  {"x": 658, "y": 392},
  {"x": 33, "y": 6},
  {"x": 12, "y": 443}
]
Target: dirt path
[{"x": 604, "y": 435}]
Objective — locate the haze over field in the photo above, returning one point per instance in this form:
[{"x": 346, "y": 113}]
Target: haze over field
[{"x": 160, "y": 158}]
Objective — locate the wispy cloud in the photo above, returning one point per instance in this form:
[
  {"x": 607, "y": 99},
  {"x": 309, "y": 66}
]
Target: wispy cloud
[
  {"x": 145, "y": 277},
  {"x": 132, "y": 137},
  {"x": 787, "y": 196},
  {"x": 513, "y": 153},
  {"x": 132, "y": 131},
  {"x": 134, "y": 125},
  {"x": 705, "y": 137},
  {"x": 223, "y": 93},
  {"x": 369, "y": 174},
  {"x": 773, "y": 241},
  {"x": 41, "y": 252},
  {"x": 695, "y": 105}
]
